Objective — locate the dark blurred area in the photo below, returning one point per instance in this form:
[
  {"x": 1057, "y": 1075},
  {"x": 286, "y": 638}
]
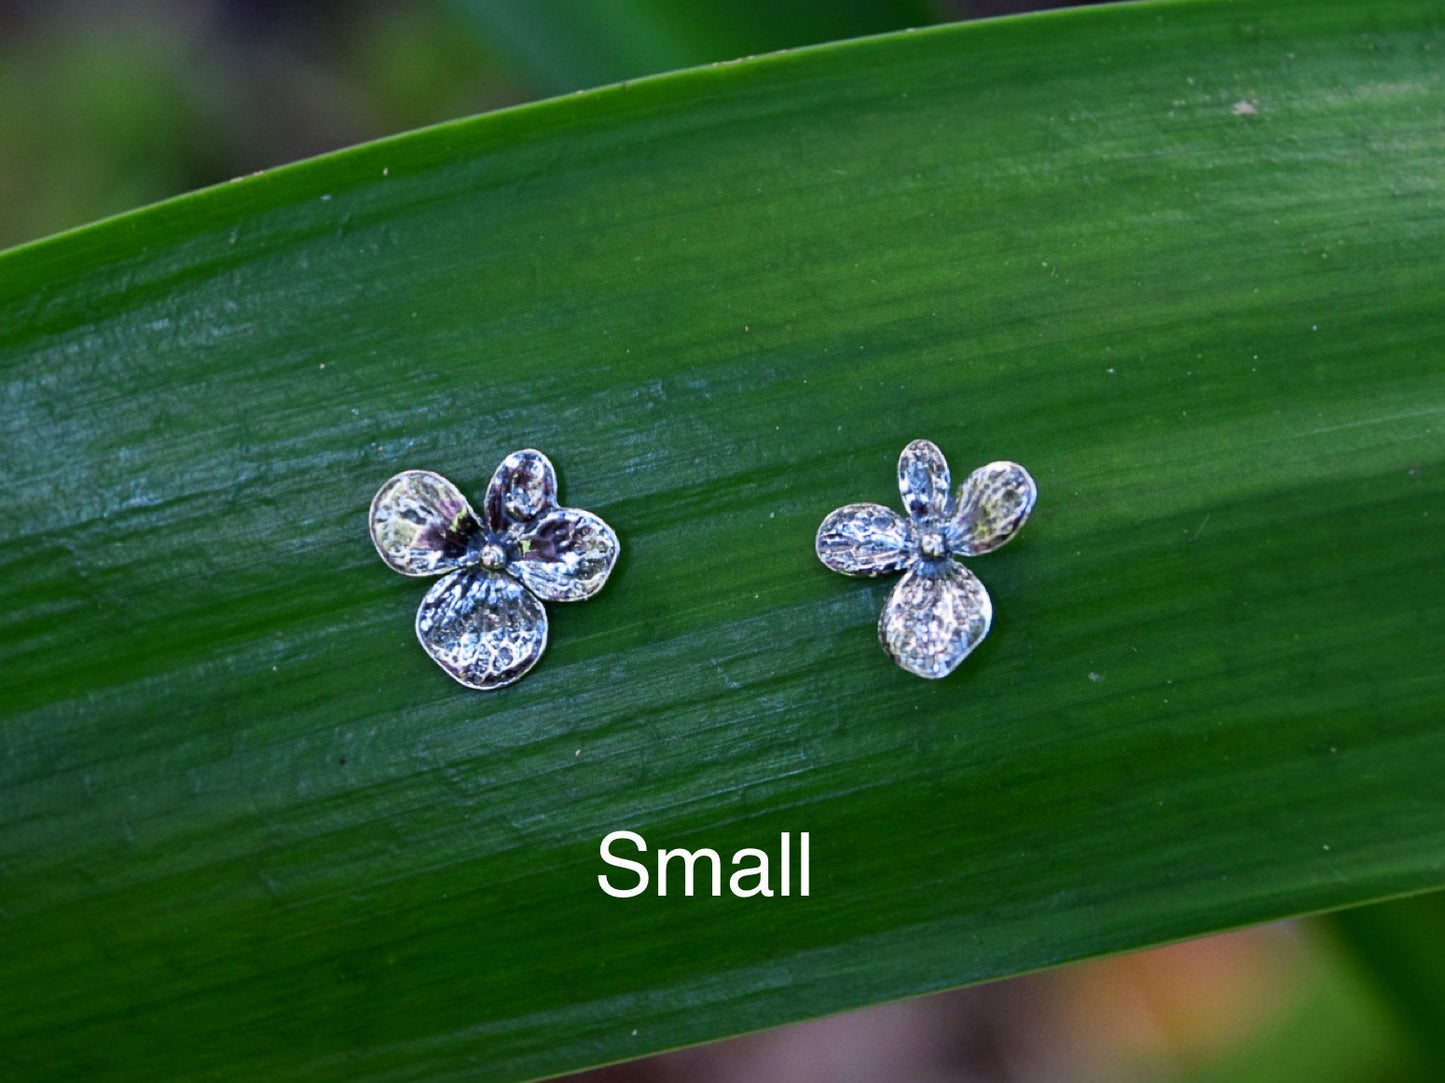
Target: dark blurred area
[{"x": 105, "y": 107}]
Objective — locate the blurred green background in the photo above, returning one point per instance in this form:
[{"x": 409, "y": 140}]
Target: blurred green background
[{"x": 105, "y": 107}]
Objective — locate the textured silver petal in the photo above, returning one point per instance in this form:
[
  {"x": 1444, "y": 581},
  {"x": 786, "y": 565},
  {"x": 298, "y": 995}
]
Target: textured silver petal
[
  {"x": 523, "y": 488},
  {"x": 992, "y": 505},
  {"x": 934, "y": 617},
  {"x": 923, "y": 481},
  {"x": 865, "y": 539},
  {"x": 482, "y": 627},
  {"x": 566, "y": 555},
  {"x": 421, "y": 524}
]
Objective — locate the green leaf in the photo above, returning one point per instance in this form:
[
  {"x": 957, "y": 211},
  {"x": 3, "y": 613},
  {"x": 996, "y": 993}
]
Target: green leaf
[{"x": 1180, "y": 260}]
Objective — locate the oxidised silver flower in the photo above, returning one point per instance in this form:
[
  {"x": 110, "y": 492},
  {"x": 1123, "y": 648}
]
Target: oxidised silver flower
[
  {"x": 483, "y": 622},
  {"x": 939, "y": 611}
]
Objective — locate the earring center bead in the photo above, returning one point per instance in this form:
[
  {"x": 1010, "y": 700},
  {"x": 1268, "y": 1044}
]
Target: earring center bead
[{"x": 932, "y": 545}]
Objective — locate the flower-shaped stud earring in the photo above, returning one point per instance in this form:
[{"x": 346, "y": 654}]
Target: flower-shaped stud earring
[
  {"x": 483, "y": 622},
  {"x": 939, "y": 610}
]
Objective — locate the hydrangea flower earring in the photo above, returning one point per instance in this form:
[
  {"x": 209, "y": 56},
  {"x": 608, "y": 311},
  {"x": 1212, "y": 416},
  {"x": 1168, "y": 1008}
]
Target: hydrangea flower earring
[
  {"x": 483, "y": 622},
  {"x": 939, "y": 611}
]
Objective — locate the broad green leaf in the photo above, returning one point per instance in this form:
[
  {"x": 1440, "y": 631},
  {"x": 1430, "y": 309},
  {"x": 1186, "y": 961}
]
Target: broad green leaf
[{"x": 1180, "y": 260}]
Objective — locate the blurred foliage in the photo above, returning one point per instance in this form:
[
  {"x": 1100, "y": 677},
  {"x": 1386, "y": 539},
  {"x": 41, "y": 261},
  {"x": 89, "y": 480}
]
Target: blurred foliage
[
  {"x": 1400, "y": 949},
  {"x": 562, "y": 45},
  {"x": 98, "y": 121},
  {"x": 1332, "y": 1028},
  {"x": 105, "y": 108}
]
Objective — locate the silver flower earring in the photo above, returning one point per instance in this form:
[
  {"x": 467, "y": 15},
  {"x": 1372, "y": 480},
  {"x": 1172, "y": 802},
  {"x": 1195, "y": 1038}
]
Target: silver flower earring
[
  {"x": 483, "y": 622},
  {"x": 939, "y": 611}
]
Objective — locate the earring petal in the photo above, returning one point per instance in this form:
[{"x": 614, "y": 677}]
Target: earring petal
[
  {"x": 567, "y": 555},
  {"x": 421, "y": 524},
  {"x": 992, "y": 505},
  {"x": 523, "y": 489},
  {"x": 932, "y": 621},
  {"x": 865, "y": 540},
  {"x": 482, "y": 627},
  {"x": 923, "y": 481}
]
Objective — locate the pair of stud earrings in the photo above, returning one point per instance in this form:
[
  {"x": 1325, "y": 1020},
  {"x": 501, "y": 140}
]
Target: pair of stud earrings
[{"x": 485, "y": 624}]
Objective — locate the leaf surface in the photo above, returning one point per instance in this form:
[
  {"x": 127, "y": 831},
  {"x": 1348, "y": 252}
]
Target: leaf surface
[{"x": 1181, "y": 261}]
